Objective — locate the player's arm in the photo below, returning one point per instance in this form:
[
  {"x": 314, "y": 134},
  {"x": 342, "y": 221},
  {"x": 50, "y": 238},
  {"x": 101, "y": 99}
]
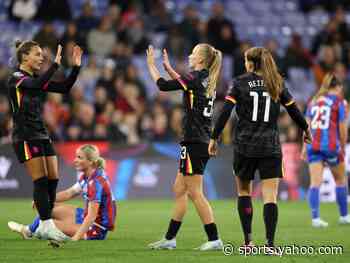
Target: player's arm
[
  {"x": 167, "y": 66},
  {"x": 288, "y": 102},
  {"x": 220, "y": 124},
  {"x": 69, "y": 193},
  {"x": 88, "y": 220},
  {"x": 303, "y": 149},
  {"x": 66, "y": 85},
  {"x": 164, "y": 85}
]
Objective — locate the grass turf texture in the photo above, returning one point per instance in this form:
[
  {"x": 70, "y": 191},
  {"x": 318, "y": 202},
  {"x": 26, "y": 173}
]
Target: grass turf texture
[{"x": 142, "y": 222}]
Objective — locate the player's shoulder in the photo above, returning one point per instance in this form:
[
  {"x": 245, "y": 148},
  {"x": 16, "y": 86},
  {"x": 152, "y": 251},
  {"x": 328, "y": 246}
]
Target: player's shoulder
[
  {"x": 244, "y": 76},
  {"x": 197, "y": 74}
]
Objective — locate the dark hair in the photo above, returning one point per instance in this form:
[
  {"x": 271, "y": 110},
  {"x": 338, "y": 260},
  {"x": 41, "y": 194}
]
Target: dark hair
[
  {"x": 24, "y": 47},
  {"x": 263, "y": 60}
]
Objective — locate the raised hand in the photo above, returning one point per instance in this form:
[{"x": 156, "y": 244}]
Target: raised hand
[
  {"x": 77, "y": 54},
  {"x": 58, "y": 57},
  {"x": 150, "y": 55},
  {"x": 166, "y": 62}
]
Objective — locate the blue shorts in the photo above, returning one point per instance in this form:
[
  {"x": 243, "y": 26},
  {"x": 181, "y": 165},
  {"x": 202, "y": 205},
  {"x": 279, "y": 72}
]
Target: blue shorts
[
  {"x": 95, "y": 232},
  {"x": 331, "y": 158}
]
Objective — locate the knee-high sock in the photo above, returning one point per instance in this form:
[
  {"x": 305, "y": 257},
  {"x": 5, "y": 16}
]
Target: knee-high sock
[
  {"x": 245, "y": 210},
  {"x": 270, "y": 219},
  {"x": 52, "y": 186},
  {"x": 314, "y": 202},
  {"x": 342, "y": 196},
  {"x": 41, "y": 198},
  {"x": 33, "y": 226}
]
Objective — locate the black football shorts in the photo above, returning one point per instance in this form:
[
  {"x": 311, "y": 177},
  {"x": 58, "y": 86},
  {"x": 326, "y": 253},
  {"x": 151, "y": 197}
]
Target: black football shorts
[
  {"x": 193, "y": 158},
  {"x": 26, "y": 150},
  {"x": 268, "y": 167}
]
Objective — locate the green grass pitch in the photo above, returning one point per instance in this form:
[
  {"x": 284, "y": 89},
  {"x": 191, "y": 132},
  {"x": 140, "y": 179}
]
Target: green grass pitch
[{"x": 141, "y": 222}]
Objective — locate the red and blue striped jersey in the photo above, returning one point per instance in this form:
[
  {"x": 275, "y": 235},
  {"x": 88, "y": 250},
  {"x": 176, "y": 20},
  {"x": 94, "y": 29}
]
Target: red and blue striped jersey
[
  {"x": 325, "y": 114},
  {"x": 97, "y": 188}
]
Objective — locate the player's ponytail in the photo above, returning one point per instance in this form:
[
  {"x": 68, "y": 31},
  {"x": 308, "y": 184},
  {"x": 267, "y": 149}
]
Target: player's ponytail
[
  {"x": 23, "y": 48},
  {"x": 263, "y": 61},
  {"x": 212, "y": 60},
  {"x": 329, "y": 82},
  {"x": 93, "y": 154}
]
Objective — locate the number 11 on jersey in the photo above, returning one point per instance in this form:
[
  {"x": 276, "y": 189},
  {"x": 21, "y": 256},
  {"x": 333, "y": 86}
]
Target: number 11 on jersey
[{"x": 255, "y": 96}]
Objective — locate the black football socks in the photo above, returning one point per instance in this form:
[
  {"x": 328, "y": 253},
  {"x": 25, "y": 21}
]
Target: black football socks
[
  {"x": 41, "y": 198},
  {"x": 245, "y": 210},
  {"x": 52, "y": 186},
  {"x": 212, "y": 231},
  {"x": 270, "y": 219},
  {"x": 173, "y": 228}
]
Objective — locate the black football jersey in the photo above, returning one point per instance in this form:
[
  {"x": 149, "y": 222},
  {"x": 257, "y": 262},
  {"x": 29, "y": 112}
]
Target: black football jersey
[
  {"x": 27, "y": 96},
  {"x": 256, "y": 132},
  {"x": 198, "y": 107}
]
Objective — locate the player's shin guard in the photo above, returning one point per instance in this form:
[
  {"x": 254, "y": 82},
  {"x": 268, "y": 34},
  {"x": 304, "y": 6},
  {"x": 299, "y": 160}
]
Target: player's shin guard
[
  {"x": 270, "y": 219},
  {"x": 41, "y": 198},
  {"x": 341, "y": 196},
  {"x": 173, "y": 228},
  {"x": 314, "y": 202},
  {"x": 52, "y": 186},
  {"x": 245, "y": 210}
]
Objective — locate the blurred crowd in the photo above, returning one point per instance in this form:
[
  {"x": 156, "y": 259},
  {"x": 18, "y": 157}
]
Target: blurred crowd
[{"x": 111, "y": 101}]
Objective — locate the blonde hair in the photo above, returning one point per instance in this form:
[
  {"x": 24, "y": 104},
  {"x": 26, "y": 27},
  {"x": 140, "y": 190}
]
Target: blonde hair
[
  {"x": 263, "y": 60},
  {"x": 329, "y": 82},
  {"x": 212, "y": 61},
  {"x": 93, "y": 154}
]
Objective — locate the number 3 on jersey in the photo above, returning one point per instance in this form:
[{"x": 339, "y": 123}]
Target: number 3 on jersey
[
  {"x": 321, "y": 116},
  {"x": 208, "y": 111},
  {"x": 256, "y": 98}
]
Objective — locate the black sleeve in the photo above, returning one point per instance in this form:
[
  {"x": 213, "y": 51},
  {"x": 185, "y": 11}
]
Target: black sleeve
[
  {"x": 296, "y": 115},
  {"x": 64, "y": 86},
  {"x": 39, "y": 82},
  {"x": 168, "y": 85},
  {"x": 286, "y": 98},
  {"x": 221, "y": 121}
]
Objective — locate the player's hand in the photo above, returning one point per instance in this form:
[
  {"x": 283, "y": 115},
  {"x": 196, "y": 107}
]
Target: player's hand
[
  {"x": 58, "y": 57},
  {"x": 307, "y": 136},
  {"x": 77, "y": 54},
  {"x": 213, "y": 147},
  {"x": 166, "y": 63},
  {"x": 150, "y": 55}
]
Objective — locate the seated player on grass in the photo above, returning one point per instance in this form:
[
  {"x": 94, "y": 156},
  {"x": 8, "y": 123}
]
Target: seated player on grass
[{"x": 97, "y": 218}]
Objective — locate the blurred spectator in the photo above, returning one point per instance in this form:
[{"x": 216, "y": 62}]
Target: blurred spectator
[
  {"x": 220, "y": 30},
  {"x": 47, "y": 37},
  {"x": 5, "y": 120},
  {"x": 4, "y": 71},
  {"x": 121, "y": 55},
  {"x": 129, "y": 100},
  {"x": 132, "y": 76},
  {"x": 341, "y": 74},
  {"x": 72, "y": 35},
  {"x": 272, "y": 46},
  {"x": 176, "y": 122},
  {"x": 23, "y": 10},
  {"x": 327, "y": 59},
  {"x": 325, "y": 37},
  {"x": 175, "y": 43},
  {"x": 87, "y": 20},
  {"x": 297, "y": 56},
  {"x": 189, "y": 28},
  {"x": 101, "y": 40},
  {"x": 55, "y": 115},
  {"x": 160, "y": 19},
  {"x": 135, "y": 36},
  {"x": 54, "y": 10},
  {"x": 238, "y": 59},
  {"x": 115, "y": 133}
]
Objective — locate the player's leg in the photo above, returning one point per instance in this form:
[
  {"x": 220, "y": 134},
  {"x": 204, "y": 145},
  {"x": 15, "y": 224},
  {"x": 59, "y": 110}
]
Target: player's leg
[
  {"x": 316, "y": 177},
  {"x": 37, "y": 170},
  {"x": 65, "y": 219},
  {"x": 169, "y": 241},
  {"x": 52, "y": 168},
  {"x": 244, "y": 169},
  {"x": 269, "y": 194},
  {"x": 341, "y": 191},
  {"x": 179, "y": 189},
  {"x": 194, "y": 186},
  {"x": 245, "y": 207}
]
